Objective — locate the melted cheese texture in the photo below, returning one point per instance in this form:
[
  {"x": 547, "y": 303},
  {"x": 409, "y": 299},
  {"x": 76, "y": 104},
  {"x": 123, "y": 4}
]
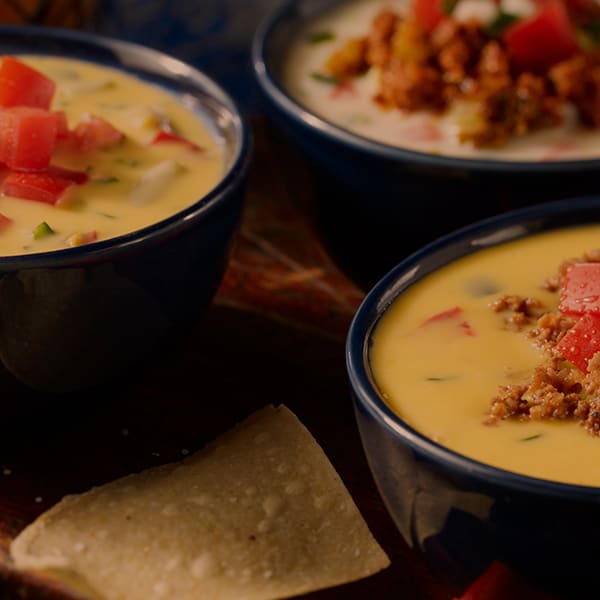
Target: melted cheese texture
[
  {"x": 133, "y": 184},
  {"x": 441, "y": 380},
  {"x": 356, "y": 111}
]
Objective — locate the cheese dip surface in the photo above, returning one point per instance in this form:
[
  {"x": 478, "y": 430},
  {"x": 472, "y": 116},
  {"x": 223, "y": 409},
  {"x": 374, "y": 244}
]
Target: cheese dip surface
[
  {"x": 440, "y": 354},
  {"x": 131, "y": 184},
  {"x": 351, "y": 104}
]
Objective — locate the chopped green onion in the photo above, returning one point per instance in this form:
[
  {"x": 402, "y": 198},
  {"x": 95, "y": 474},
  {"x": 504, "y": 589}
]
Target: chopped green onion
[
  {"x": 128, "y": 162},
  {"x": 500, "y": 23},
  {"x": 110, "y": 179},
  {"x": 531, "y": 438},
  {"x": 594, "y": 30},
  {"x": 320, "y": 36},
  {"x": 323, "y": 78},
  {"x": 448, "y": 6},
  {"x": 42, "y": 230}
]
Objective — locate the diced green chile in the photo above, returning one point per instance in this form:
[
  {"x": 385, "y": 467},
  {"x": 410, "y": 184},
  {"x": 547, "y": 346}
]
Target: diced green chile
[
  {"x": 42, "y": 230},
  {"x": 319, "y": 37}
]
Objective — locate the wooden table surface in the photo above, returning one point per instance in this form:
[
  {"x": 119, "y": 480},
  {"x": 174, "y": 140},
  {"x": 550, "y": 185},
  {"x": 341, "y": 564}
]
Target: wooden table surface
[{"x": 274, "y": 334}]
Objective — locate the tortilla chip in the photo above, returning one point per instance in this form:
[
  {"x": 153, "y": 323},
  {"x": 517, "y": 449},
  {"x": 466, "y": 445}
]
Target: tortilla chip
[{"x": 258, "y": 514}]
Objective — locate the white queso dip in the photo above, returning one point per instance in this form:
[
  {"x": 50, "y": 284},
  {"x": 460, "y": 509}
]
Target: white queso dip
[{"x": 351, "y": 105}]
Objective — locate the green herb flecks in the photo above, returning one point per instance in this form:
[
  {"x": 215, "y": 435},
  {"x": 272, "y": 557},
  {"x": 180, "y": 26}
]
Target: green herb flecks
[
  {"x": 128, "y": 162},
  {"x": 42, "y": 230},
  {"x": 500, "y": 23},
  {"x": 323, "y": 78},
  {"x": 107, "y": 215},
  {"x": 481, "y": 287},
  {"x": 530, "y": 438},
  {"x": 448, "y": 6},
  {"x": 318, "y": 37},
  {"x": 110, "y": 179},
  {"x": 440, "y": 378}
]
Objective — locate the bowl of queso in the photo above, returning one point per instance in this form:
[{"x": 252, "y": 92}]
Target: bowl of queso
[
  {"x": 474, "y": 367},
  {"x": 420, "y": 117},
  {"x": 121, "y": 186}
]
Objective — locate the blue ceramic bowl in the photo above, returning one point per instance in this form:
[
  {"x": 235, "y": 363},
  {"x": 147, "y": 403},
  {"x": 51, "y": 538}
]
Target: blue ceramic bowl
[
  {"x": 376, "y": 203},
  {"x": 462, "y": 514},
  {"x": 75, "y": 318}
]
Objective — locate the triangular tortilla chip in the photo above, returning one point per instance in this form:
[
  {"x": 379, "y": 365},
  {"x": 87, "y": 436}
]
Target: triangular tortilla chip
[{"x": 258, "y": 514}]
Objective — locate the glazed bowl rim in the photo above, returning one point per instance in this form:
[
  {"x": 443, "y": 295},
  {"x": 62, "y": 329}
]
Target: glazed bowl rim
[
  {"x": 365, "y": 394},
  {"x": 181, "y": 220},
  {"x": 309, "y": 120}
]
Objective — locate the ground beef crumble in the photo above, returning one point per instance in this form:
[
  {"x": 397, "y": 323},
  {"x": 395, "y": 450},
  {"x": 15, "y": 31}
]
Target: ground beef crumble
[
  {"x": 556, "y": 389},
  {"x": 421, "y": 70}
]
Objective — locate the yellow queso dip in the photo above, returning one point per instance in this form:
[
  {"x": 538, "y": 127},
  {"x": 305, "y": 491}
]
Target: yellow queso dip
[
  {"x": 440, "y": 375},
  {"x": 133, "y": 184}
]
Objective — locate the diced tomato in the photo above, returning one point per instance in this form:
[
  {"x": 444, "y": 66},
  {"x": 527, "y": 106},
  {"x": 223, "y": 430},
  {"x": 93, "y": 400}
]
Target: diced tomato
[
  {"x": 543, "y": 39},
  {"x": 428, "y": 13},
  {"x": 444, "y": 315},
  {"x": 162, "y": 135},
  {"x": 95, "y": 133},
  {"x": 499, "y": 582},
  {"x": 451, "y": 314},
  {"x": 343, "y": 88},
  {"x": 4, "y": 222},
  {"x": 581, "y": 289},
  {"x": 62, "y": 125},
  {"x": 49, "y": 185},
  {"x": 581, "y": 342},
  {"x": 21, "y": 85},
  {"x": 27, "y": 137}
]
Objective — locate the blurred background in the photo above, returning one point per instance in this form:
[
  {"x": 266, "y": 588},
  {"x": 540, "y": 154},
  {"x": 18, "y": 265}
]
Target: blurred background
[{"x": 213, "y": 35}]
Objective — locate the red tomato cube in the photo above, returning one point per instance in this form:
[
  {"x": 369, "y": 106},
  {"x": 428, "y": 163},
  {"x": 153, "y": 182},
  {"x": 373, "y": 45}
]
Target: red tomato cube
[
  {"x": 499, "y": 582},
  {"x": 4, "y": 222},
  {"x": 62, "y": 125},
  {"x": 21, "y": 85},
  {"x": 581, "y": 342},
  {"x": 49, "y": 186},
  {"x": 428, "y": 13},
  {"x": 581, "y": 289},
  {"x": 543, "y": 39},
  {"x": 27, "y": 137},
  {"x": 167, "y": 136},
  {"x": 95, "y": 133}
]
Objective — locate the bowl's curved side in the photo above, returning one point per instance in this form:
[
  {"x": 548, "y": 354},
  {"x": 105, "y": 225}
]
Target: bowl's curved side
[{"x": 461, "y": 513}]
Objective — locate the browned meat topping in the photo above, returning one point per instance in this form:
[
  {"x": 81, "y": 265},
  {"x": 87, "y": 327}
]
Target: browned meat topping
[
  {"x": 522, "y": 310},
  {"x": 556, "y": 389},
  {"x": 550, "y": 329},
  {"x": 422, "y": 70}
]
